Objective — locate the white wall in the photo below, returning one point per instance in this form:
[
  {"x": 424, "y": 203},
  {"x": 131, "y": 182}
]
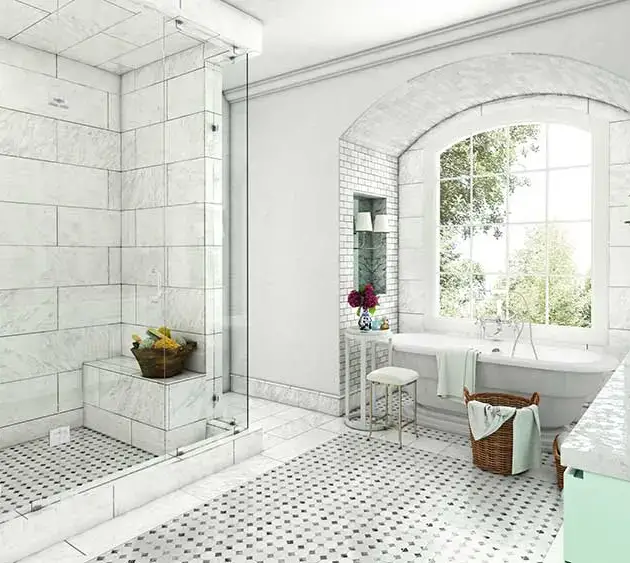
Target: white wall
[
  {"x": 59, "y": 235},
  {"x": 294, "y": 134}
]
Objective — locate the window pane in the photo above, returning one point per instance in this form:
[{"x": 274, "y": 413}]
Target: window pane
[
  {"x": 568, "y": 146},
  {"x": 570, "y": 301},
  {"x": 455, "y": 161},
  {"x": 491, "y": 151},
  {"x": 528, "y": 147},
  {"x": 489, "y": 249},
  {"x": 487, "y": 291},
  {"x": 527, "y": 198},
  {"x": 570, "y": 194},
  {"x": 455, "y": 296},
  {"x": 527, "y": 246},
  {"x": 569, "y": 249},
  {"x": 489, "y": 200},
  {"x": 527, "y": 298},
  {"x": 455, "y": 201},
  {"x": 455, "y": 247}
]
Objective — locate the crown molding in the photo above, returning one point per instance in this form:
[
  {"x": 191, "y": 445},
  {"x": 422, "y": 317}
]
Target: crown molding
[{"x": 448, "y": 36}]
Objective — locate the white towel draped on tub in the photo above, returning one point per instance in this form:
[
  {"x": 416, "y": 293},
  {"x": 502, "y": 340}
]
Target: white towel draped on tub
[
  {"x": 486, "y": 419},
  {"x": 457, "y": 368}
]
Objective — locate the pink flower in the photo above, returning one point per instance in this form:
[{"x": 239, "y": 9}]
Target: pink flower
[
  {"x": 370, "y": 300},
  {"x": 354, "y": 298}
]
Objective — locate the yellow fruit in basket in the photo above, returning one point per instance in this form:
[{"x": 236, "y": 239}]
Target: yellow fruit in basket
[
  {"x": 136, "y": 338},
  {"x": 165, "y": 331},
  {"x": 166, "y": 344}
]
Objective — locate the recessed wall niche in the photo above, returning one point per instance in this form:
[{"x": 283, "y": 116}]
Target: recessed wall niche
[{"x": 370, "y": 243}]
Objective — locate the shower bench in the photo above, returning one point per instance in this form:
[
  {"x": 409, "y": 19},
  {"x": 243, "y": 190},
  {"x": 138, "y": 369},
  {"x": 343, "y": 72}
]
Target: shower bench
[{"x": 156, "y": 415}]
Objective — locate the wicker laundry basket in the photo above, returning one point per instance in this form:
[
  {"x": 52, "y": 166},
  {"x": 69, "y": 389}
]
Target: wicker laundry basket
[
  {"x": 159, "y": 364},
  {"x": 559, "y": 467},
  {"x": 494, "y": 453}
]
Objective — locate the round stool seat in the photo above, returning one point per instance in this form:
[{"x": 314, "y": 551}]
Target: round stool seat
[{"x": 391, "y": 375}]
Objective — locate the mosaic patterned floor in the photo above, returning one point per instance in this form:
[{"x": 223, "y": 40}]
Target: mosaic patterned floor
[
  {"x": 351, "y": 499},
  {"x": 34, "y": 470}
]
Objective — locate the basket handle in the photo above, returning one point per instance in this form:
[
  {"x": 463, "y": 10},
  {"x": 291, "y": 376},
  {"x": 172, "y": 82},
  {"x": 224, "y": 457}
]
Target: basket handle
[
  {"x": 466, "y": 395},
  {"x": 535, "y": 399}
]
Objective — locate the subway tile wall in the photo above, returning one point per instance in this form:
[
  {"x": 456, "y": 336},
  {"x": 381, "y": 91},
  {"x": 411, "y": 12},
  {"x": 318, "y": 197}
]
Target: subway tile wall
[{"x": 60, "y": 293}]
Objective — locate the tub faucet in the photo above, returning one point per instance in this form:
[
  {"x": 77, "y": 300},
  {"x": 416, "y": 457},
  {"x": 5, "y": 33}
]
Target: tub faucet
[{"x": 519, "y": 325}]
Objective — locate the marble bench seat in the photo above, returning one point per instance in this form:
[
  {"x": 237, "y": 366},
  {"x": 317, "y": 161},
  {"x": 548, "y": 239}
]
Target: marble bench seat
[{"x": 156, "y": 415}]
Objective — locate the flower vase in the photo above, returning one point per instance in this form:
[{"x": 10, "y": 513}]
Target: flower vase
[{"x": 365, "y": 320}]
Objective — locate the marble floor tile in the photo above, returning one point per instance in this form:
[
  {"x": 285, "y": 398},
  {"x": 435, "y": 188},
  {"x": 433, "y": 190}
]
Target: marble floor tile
[
  {"x": 292, "y": 413},
  {"x": 298, "y": 445},
  {"x": 291, "y": 429},
  {"x": 270, "y": 441},
  {"x": 59, "y": 553}
]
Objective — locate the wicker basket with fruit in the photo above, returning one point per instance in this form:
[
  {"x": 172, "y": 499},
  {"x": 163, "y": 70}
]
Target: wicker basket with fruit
[{"x": 161, "y": 354}]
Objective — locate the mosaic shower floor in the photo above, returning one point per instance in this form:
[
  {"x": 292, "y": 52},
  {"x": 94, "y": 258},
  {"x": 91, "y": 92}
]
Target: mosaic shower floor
[
  {"x": 350, "y": 499},
  {"x": 34, "y": 470}
]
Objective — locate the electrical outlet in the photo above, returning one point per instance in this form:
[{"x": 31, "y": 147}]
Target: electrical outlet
[{"x": 58, "y": 436}]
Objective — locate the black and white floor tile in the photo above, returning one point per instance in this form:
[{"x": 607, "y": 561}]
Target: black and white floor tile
[
  {"x": 350, "y": 499},
  {"x": 34, "y": 470}
]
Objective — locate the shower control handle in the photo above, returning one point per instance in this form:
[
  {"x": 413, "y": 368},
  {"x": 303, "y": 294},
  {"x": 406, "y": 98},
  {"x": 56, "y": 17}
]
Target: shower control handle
[{"x": 160, "y": 291}]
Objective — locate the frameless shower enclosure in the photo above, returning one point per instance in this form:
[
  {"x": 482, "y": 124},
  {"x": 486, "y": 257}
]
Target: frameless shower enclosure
[{"x": 114, "y": 249}]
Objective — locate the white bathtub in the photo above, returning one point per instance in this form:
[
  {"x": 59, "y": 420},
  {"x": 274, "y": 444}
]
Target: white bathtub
[{"x": 565, "y": 378}]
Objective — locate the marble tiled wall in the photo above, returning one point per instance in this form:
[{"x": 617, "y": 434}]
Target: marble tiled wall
[
  {"x": 172, "y": 202},
  {"x": 367, "y": 172},
  {"x": 60, "y": 289}
]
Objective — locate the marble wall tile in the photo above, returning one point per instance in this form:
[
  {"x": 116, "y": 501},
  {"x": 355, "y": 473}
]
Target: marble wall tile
[
  {"x": 35, "y": 181},
  {"x": 89, "y": 306},
  {"x": 150, "y": 225},
  {"x": 619, "y": 231},
  {"x": 214, "y": 310},
  {"x": 128, "y": 228},
  {"x": 214, "y": 89},
  {"x": 188, "y": 402},
  {"x": 114, "y": 113},
  {"x": 90, "y": 384},
  {"x": 186, "y": 435},
  {"x": 412, "y": 296},
  {"x": 148, "y": 75},
  {"x": 23, "y": 224},
  {"x": 32, "y": 355},
  {"x": 619, "y": 308},
  {"x": 248, "y": 445},
  {"x": 148, "y": 311},
  {"x": 115, "y": 274},
  {"x": 27, "y": 310},
  {"x": 143, "y": 188},
  {"x": 138, "y": 262},
  {"x": 80, "y": 73},
  {"x": 412, "y": 264},
  {"x": 214, "y": 224},
  {"x": 129, "y": 304},
  {"x": 36, "y": 266},
  {"x": 185, "y": 266},
  {"x": 38, "y": 427},
  {"x": 107, "y": 423},
  {"x": 619, "y": 185},
  {"x": 185, "y": 225},
  {"x": 26, "y": 135},
  {"x": 186, "y": 94},
  {"x": 143, "y": 107},
  {"x": 115, "y": 190},
  {"x": 149, "y": 146},
  {"x": 70, "y": 388},
  {"x": 186, "y": 181},
  {"x": 148, "y": 438},
  {"x": 30, "y": 92},
  {"x": 185, "y": 138},
  {"x": 619, "y": 267},
  {"x": 410, "y": 166},
  {"x": 214, "y": 138},
  {"x": 88, "y": 146},
  {"x": 27, "y": 399},
  {"x": 132, "y": 397},
  {"x": 411, "y": 322},
  {"x": 620, "y": 142},
  {"x": 184, "y": 61},
  {"x": 214, "y": 267},
  {"x": 185, "y": 309},
  {"x": 88, "y": 227},
  {"x": 14, "y": 54},
  {"x": 214, "y": 180},
  {"x": 128, "y": 150}
]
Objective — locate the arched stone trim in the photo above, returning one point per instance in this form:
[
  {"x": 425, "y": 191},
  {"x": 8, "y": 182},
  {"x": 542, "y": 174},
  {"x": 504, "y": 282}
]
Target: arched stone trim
[{"x": 398, "y": 119}]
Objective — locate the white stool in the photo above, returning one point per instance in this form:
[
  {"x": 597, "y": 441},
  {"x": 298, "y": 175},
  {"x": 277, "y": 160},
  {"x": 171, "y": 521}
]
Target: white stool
[{"x": 394, "y": 377}]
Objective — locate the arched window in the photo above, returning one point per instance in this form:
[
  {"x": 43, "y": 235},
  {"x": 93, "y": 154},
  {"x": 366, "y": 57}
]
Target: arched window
[{"x": 515, "y": 225}]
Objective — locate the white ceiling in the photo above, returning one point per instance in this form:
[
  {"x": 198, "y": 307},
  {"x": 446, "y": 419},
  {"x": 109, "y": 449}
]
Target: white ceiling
[
  {"x": 116, "y": 35},
  {"x": 299, "y": 33}
]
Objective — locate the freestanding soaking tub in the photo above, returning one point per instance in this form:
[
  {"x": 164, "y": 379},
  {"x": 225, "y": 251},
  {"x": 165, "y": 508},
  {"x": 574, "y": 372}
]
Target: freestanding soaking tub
[{"x": 565, "y": 378}]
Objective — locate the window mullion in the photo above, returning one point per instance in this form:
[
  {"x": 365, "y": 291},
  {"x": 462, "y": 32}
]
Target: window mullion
[{"x": 547, "y": 224}]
